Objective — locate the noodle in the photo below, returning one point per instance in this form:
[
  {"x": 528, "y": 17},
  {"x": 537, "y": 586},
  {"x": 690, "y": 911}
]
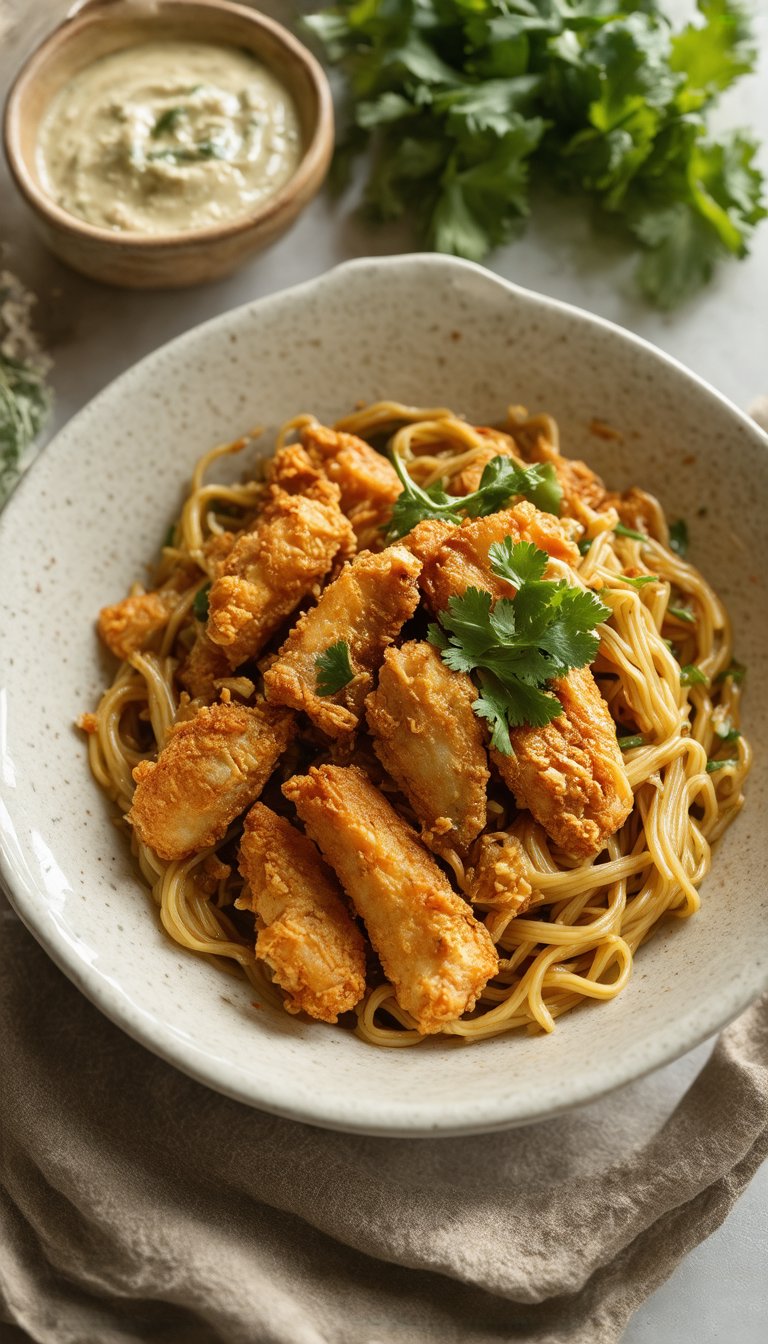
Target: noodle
[{"x": 587, "y": 919}]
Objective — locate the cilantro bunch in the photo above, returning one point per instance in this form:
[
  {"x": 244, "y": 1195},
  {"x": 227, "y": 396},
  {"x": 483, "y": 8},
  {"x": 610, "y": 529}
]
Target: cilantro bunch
[
  {"x": 462, "y": 97},
  {"x": 517, "y": 646}
]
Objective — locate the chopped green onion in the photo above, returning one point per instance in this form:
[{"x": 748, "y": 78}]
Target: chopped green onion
[
  {"x": 712, "y": 766},
  {"x": 200, "y": 604},
  {"x": 622, "y": 530},
  {"x": 678, "y": 537},
  {"x": 635, "y": 740},
  {"x": 691, "y": 675},
  {"x": 736, "y": 671},
  {"x": 639, "y": 580},
  {"x": 585, "y": 544},
  {"x": 683, "y": 614}
]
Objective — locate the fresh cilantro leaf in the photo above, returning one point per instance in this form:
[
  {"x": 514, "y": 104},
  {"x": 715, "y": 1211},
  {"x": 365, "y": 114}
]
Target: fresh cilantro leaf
[
  {"x": 691, "y": 675},
  {"x": 678, "y": 537},
  {"x": 200, "y": 603},
  {"x": 168, "y": 121},
  {"x": 628, "y": 743},
  {"x": 585, "y": 545},
  {"x": 600, "y": 96},
  {"x": 516, "y": 646},
  {"x": 726, "y": 763},
  {"x": 501, "y": 481},
  {"x": 333, "y": 669},
  {"x": 726, "y": 733}
]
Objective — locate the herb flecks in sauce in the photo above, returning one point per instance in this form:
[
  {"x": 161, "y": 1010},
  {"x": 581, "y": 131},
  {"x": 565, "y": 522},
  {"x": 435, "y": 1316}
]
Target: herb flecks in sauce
[{"x": 168, "y": 136}]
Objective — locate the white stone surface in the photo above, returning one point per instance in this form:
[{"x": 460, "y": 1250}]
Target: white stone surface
[{"x": 720, "y": 1292}]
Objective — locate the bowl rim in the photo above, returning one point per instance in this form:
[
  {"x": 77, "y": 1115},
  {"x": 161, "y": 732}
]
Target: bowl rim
[
  {"x": 695, "y": 1024},
  {"x": 311, "y": 167}
]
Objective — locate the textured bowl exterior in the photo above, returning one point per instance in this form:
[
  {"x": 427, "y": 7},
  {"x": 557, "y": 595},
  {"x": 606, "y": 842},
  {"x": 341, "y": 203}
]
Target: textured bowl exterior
[
  {"x": 161, "y": 261},
  {"x": 92, "y": 512}
]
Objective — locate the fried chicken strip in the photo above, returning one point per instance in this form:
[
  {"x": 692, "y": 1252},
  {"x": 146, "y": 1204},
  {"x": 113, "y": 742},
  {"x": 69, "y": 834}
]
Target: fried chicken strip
[
  {"x": 433, "y": 950},
  {"x": 367, "y": 607},
  {"x": 570, "y": 774},
  {"x": 270, "y": 569},
  {"x": 499, "y": 879},
  {"x": 428, "y": 739},
  {"x": 127, "y": 627},
  {"x": 306, "y": 935},
  {"x": 368, "y": 482},
  {"x": 212, "y": 767},
  {"x": 456, "y": 558}
]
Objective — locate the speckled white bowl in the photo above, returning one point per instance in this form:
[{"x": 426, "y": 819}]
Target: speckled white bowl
[{"x": 93, "y": 510}]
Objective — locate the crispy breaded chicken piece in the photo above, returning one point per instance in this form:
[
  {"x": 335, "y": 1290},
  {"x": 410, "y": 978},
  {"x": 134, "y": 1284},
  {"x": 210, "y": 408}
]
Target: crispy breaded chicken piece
[
  {"x": 270, "y": 569},
  {"x": 433, "y": 950},
  {"x": 367, "y": 606},
  {"x": 128, "y": 626},
  {"x": 456, "y": 558},
  {"x": 499, "y": 879},
  {"x": 570, "y": 774},
  {"x": 368, "y": 482},
  {"x": 293, "y": 470},
  {"x": 212, "y": 767},
  {"x": 204, "y": 665},
  {"x": 428, "y": 739},
  {"x": 306, "y": 935}
]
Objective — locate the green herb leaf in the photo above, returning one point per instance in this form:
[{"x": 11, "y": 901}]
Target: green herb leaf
[
  {"x": 683, "y": 614},
  {"x": 168, "y": 121},
  {"x": 712, "y": 766},
  {"x": 200, "y": 604},
  {"x": 678, "y": 537},
  {"x": 170, "y": 537},
  {"x": 585, "y": 545},
  {"x": 502, "y": 480},
  {"x": 736, "y": 671},
  {"x": 600, "y": 96},
  {"x": 691, "y": 675},
  {"x": 622, "y": 530},
  {"x": 333, "y": 670},
  {"x": 25, "y": 403},
  {"x": 634, "y": 740},
  {"x": 726, "y": 733},
  {"x": 517, "y": 646},
  {"x": 639, "y": 580}
]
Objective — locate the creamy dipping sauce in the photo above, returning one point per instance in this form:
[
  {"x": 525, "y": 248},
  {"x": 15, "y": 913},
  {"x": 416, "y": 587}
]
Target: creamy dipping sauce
[{"x": 167, "y": 136}]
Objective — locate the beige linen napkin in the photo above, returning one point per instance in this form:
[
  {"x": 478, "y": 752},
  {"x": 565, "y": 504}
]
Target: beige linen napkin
[{"x": 136, "y": 1205}]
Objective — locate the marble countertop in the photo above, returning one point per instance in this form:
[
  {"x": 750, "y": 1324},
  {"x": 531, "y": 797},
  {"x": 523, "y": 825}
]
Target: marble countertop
[{"x": 93, "y": 333}]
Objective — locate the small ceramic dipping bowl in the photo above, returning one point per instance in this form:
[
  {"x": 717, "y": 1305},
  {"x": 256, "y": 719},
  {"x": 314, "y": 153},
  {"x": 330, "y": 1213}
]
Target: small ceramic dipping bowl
[{"x": 177, "y": 258}]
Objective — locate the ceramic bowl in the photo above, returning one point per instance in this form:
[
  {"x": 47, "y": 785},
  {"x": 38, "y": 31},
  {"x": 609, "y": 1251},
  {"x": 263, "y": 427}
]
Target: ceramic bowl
[
  {"x": 172, "y": 259},
  {"x": 93, "y": 510}
]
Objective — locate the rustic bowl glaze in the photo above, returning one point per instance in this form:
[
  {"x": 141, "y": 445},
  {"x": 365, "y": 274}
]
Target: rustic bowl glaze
[{"x": 172, "y": 259}]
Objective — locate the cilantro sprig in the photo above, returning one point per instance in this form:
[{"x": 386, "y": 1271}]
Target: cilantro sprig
[
  {"x": 515, "y": 647},
  {"x": 461, "y": 98},
  {"x": 501, "y": 481},
  {"x": 333, "y": 670}
]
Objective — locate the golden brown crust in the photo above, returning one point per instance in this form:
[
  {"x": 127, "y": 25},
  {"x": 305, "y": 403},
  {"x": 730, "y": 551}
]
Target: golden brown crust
[
  {"x": 429, "y": 740},
  {"x": 211, "y": 768},
  {"x": 499, "y": 879},
  {"x": 433, "y": 950},
  {"x": 270, "y": 570},
  {"x": 366, "y": 606},
  {"x": 307, "y": 935},
  {"x": 458, "y": 559},
  {"x": 127, "y": 627},
  {"x": 570, "y": 774},
  {"x": 204, "y": 665},
  {"x": 367, "y": 481}
]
